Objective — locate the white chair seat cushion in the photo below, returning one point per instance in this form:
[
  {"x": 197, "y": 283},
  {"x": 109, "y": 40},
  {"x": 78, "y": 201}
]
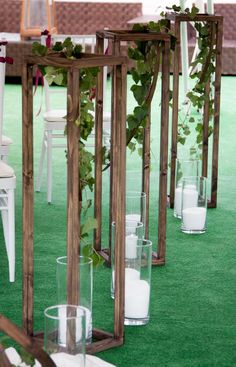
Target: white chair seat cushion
[
  {"x": 55, "y": 115},
  {"x": 6, "y": 140},
  {"x": 6, "y": 170}
]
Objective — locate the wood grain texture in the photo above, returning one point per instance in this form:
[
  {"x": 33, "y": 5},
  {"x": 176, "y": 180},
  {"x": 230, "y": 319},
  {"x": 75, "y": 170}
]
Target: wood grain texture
[{"x": 27, "y": 197}]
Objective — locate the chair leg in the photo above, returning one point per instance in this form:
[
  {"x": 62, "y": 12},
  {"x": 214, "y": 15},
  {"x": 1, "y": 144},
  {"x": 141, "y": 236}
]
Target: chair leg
[
  {"x": 5, "y": 225},
  {"x": 8, "y": 221},
  {"x": 41, "y": 161},
  {"x": 11, "y": 234},
  {"x": 49, "y": 166}
]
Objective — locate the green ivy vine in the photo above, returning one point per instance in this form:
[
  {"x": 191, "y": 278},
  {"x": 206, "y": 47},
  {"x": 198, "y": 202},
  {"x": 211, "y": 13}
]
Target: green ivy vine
[
  {"x": 146, "y": 56},
  {"x": 202, "y": 71}
]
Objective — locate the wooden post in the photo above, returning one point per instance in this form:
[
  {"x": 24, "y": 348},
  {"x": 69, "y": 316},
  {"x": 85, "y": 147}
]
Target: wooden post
[
  {"x": 27, "y": 195},
  {"x": 73, "y": 199},
  {"x": 119, "y": 101},
  {"x": 175, "y": 111},
  {"x": 98, "y": 153},
  {"x": 217, "y": 87},
  {"x": 160, "y": 257}
]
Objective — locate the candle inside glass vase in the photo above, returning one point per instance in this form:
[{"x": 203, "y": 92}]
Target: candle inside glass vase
[
  {"x": 137, "y": 284},
  {"x": 134, "y": 231},
  {"x": 194, "y": 205},
  {"x": 184, "y": 168}
]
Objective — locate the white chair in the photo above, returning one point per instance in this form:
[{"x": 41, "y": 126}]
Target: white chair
[
  {"x": 7, "y": 179},
  {"x": 7, "y": 208},
  {"x": 5, "y": 142},
  {"x": 55, "y": 119}
]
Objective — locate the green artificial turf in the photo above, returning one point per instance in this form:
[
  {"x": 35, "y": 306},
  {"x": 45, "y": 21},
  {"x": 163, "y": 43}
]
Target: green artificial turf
[{"x": 193, "y": 297}]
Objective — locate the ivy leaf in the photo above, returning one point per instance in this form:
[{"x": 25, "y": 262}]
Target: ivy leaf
[
  {"x": 199, "y": 138},
  {"x": 135, "y": 75},
  {"x": 77, "y": 51},
  {"x": 181, "y": 140},
  {"x": 89, "y": 224},
  {"x": 57, "y": 46},
  {"x": 140, "y": 152},
  {"x": 204, "y": 31},
  {"x": 38, "y": 49},
  {"x": 139, "y": 93},
  {"x": 194, "y": 11},
  {"x": 199, "y": 127},
  {"x": 132, "y": 122},
  {"x": 176, "y": 8},
  {"x": 132, "y": 146},
  {"x": 140, "y": 113},
  {"x": 186, "y": 130},
  {"x": 97, "y": 260},
  {"x": 87, "y": 250},
  {"x": 58, "y": 79},
  {"x": 134, "y": 54},
  {"x": 191, "y": 119}
]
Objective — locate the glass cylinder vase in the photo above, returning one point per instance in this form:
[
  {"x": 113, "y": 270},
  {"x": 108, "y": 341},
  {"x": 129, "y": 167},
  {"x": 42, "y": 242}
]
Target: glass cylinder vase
[
  {"x": 64, "y": 332},
  {"x": 137, "y": 284},
  {"x": 184, "y": 168},
  {"x": 194, "y": 205},
  {"x": 136, "y": 206},
  {"x": 85, "y": 276},
  {"x": 133, "y": 232}
]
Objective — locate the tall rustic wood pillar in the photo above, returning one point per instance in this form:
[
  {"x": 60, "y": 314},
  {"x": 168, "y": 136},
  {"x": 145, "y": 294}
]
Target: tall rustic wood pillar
[
  {"x": 216, "y": 22},
  {"x": 116, "y": 37},
  {"x": 102, "y": 339}
]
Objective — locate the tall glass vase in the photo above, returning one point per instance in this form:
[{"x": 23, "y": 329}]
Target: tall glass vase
[
  {"x": 138, "y": 284},
  {"x": 133, "y": 232},
  {"x": 64, "y": 332},
  {"x": 184, "y": 168},
  {"x": 85, "y": 270},
  {"x": 136, "y": 207}
]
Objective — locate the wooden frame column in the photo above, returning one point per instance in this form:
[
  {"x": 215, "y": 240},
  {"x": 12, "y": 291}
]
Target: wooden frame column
[
  {"x": 102, "y": 339},
  {"x": 116, "y": 37},
  {"x": 217, "y": 21}
]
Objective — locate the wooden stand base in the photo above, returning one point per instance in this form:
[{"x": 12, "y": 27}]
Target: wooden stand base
[{"x": 105, "y": 254}]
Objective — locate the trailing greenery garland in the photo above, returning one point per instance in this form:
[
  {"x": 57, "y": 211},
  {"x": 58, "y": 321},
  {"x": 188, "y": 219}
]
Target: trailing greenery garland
[
  {"x": 202, "y": 71},
  {"x": 147, "y": 59}
]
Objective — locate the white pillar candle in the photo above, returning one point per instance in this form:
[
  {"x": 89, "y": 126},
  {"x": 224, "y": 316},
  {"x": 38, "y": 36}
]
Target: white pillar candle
[
  {"x": 131, "y": 246},
  {"x": 132, "y": 274},
  {"x": 137, "y": 293},
  {"x": 131, "y": 221},
  {"x": 190, "y": 198},
  {"x": 178, "y": 200},
  {"x": 63, "y": 325},
  {"x": 194, "y": 218}
]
